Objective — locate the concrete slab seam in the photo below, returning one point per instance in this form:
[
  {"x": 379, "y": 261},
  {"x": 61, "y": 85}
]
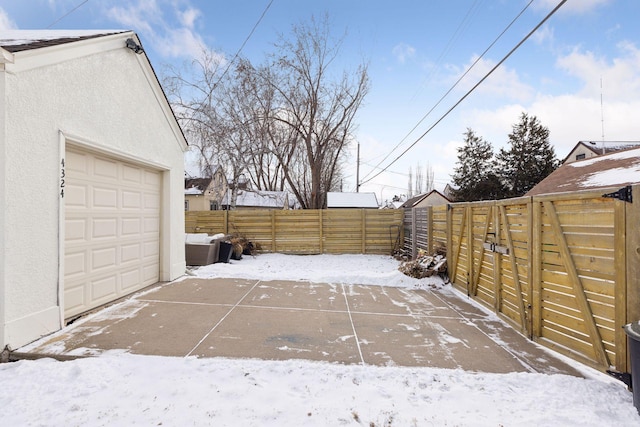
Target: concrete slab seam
[
  {"x": 353, "y": 327},
  {"x": 515, "y": 356},
  {"x": 222, "y": 319}
]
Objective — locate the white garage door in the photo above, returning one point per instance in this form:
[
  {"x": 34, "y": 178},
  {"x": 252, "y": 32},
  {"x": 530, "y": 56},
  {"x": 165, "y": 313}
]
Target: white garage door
[{"x": 112, "y": 229}]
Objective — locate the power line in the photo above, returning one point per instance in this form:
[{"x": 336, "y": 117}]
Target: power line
[
  {"x": 264, "y": 12},
  {"x": 454, "y": 85},
  {"x": 440, "y": 57},
  {"x": 67, "y": 14},
  {"x": 461, "y": 27},
  {"x": 471, "y": 90}
]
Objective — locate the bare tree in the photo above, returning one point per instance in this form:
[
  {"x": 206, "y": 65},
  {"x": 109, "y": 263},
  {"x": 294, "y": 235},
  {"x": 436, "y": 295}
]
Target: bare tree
[
  {"x": 429, "y": 178},
  {"x": 316, "y": 113},
  {"x": 419, "y": 178},
  {"x": 284, "y": 125}
]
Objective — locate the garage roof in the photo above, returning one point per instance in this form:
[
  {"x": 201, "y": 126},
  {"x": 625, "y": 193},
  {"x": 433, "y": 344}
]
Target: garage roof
[
  {"x": 352, "y": 200},
  {"x": 20, "y": 40}
]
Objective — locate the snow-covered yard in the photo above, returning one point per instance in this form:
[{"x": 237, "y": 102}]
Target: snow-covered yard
[{"x": 124, "y": 389}]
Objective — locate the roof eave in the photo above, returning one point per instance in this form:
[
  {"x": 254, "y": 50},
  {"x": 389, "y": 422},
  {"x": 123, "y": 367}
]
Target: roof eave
[{"x": 6, "y": 57}]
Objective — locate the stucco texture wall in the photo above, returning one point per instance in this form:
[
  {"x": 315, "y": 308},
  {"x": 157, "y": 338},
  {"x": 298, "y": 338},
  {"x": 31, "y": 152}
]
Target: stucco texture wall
[{"x": 104, "y": 98}]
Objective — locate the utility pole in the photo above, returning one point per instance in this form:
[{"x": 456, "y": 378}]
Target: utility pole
[{"x": 358, "y": 169}]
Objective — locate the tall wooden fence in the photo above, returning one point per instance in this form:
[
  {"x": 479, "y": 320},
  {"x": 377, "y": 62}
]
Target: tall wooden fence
[
  {"x": 564, "y": 269},
  {"x": 306, "y": 231}
]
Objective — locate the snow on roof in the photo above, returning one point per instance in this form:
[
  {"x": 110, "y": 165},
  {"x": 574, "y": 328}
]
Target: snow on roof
[
  {"x": 610, "y": 170},
  {"x": 192, "y": 191},
  {"x": 259, "y": 198},
  {"x": 351, "y": 200},
  {"x": 16, "y": 40}
]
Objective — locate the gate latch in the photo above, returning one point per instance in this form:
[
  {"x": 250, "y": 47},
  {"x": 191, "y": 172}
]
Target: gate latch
[{"x": 623, "y": 194}]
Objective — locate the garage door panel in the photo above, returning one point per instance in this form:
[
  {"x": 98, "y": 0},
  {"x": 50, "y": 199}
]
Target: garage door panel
[
  {"x": 103, "y": 258},
  {"x": 104, "y": 289},
  {"x": 151, "y": 201},
  {"x": 132, "y": 175},
  {"x": 131, "y": 199},
  {"x": 105, "y": 169},
  {"x": 150, "y": 273},
  {"x": 152, "y": 178},
  {"x": 75, "y": 264},
  {"x": 112, "y": 230},
  {"x": 77, "y": 163},
  {"x": 131, "y": 279},
  {"x": 150, "y": 250},
  {"x": 105, "y": 198},
  {"x": 151, "y": 225},
  {"x": 130, "y": 253},
  {"x": 131, "y": 226},
  {"x": 76, "y": 195},
  {"x": 74, "y": 298},
  {"x": 104, "y": 228},
  {"x": 75, "y": 230}
]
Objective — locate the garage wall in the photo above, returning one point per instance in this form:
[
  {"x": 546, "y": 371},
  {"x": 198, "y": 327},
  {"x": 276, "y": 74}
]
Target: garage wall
[{"x": 101, "y": 100}]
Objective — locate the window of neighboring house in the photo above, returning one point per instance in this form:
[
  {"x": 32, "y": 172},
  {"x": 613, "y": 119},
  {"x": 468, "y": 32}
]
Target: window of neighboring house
[
  {"x": 213, "y": 205},
  {"x": 580, "y": 156},
  {"x": 186, "y": 205}
]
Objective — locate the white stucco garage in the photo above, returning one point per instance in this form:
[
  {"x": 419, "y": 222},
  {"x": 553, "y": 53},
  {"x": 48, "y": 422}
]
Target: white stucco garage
[{"x": 91, "y": 177}]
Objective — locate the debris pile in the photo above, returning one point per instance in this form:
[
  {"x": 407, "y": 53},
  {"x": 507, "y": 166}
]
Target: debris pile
[{"x": 425, "y": 265}]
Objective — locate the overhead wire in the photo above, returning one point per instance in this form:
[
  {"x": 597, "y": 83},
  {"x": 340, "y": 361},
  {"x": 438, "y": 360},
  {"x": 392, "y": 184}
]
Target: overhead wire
[
  {"x": 454, "y": 85},
  {"x": 454, "y": 38},
  {"x": 546, "y": 18},
  {"x": 443, "y": 54},
  {"x": 224, "y": 73},
  {"x": 67, "y": 14}
]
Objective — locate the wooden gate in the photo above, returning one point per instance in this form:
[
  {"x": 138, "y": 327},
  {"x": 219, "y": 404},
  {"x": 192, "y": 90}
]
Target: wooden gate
[{"x": 553, "y": 266}]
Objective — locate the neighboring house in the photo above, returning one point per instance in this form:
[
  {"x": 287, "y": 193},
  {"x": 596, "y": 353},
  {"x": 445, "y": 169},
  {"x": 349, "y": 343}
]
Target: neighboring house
[
  {"x": 432, "y": 198},
  {"x": 588, "y": 149},
  {"x": 259, "y": 199},
  {"x": 352, "y": 200},
  {"x": 617, "y": 169},
  {"x": 449, "y": 192},
  {"x": 205, "y": 194},
  {"x": 85, "y": 118}
]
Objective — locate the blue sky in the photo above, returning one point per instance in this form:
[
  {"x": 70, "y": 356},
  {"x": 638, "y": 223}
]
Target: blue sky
[{"x": 587, "y": 52}]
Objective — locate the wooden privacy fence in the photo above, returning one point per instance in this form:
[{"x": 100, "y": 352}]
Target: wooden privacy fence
[
  {"x": 306, "y": 231},
  {"x": 424, "y": 228},
  {"x": 564, "y": 269}
]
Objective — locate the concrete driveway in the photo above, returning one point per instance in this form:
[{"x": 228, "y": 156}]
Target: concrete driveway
[{"x": 349, "y": 324}]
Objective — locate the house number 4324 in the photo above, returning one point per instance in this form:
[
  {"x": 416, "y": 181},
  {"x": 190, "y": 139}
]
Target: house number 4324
[{"x": 62, "y": 178}]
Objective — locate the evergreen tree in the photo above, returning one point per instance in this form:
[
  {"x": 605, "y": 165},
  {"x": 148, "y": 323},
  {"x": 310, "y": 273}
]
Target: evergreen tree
[
  {"x": 474, "y": 176},
  {"x": 530, "y": 158}
]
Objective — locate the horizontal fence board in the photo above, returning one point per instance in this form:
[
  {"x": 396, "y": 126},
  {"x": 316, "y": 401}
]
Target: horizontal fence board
[
  {"x": 574, "y": 270},
  {"x": 304, "y": 231}
]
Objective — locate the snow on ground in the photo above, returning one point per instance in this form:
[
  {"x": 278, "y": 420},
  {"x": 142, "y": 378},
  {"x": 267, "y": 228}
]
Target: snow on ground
[
  {"x": 345, "y": 269},
  {"x": 124, "y": 389}
]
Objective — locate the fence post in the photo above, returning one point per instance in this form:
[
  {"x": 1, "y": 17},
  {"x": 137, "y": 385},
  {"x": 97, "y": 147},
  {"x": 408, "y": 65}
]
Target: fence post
[
  {"x": 629, "y": 295},
  {"x": 364, "y": 230},
  {"x": 272, "y": 213},
  {"x": 535, "y": 267},
  {"x": 451, "y": 266},
  {"x": 321, "y": 228},
  {"x": 430, "y": 248},
  {"x": 414, "y": 232},
  {"x": 497, "y": 261}
]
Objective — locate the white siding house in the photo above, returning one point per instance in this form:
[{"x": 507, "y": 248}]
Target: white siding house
[{"x": 91, "y": 177}]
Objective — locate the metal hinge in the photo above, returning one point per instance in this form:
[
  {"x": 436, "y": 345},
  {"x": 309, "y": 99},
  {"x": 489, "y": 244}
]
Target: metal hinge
[{"x": 623, "y": 194}]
